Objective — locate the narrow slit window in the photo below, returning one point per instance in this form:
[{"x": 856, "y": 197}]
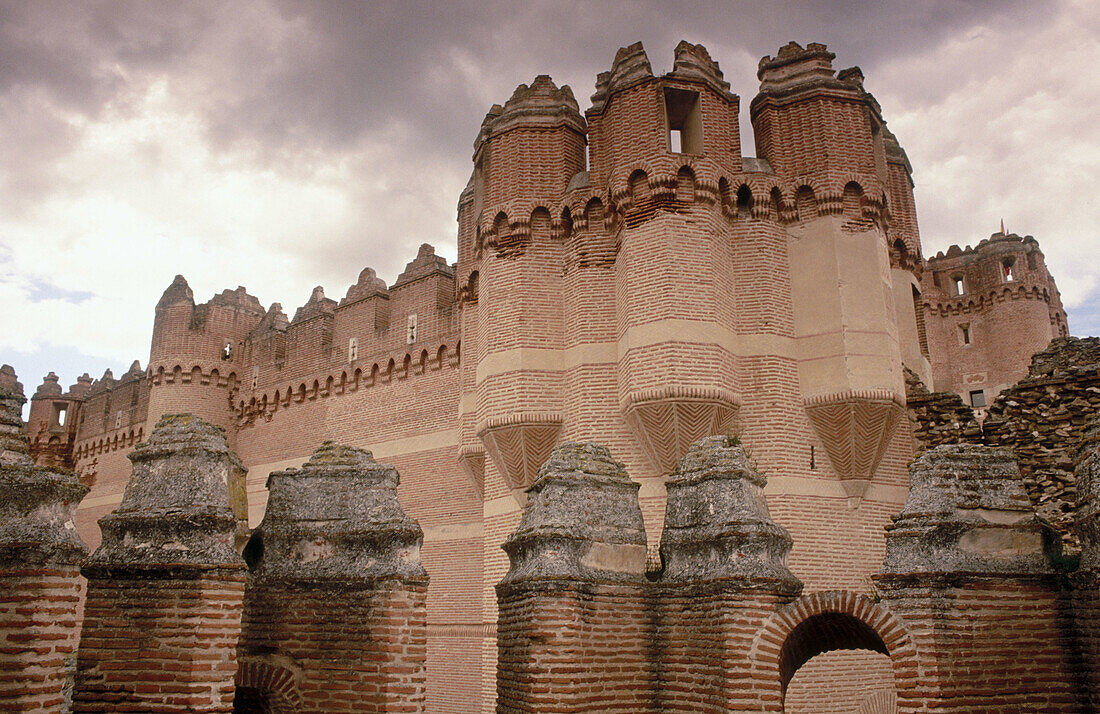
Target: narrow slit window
[
  {"x": 353, "y": 349},
  {"x": 410, "y": 329},
  {"x": 960, "y": 287},
  {"x": 685, "y": 121},
  {"x": 964, "y": 334}
]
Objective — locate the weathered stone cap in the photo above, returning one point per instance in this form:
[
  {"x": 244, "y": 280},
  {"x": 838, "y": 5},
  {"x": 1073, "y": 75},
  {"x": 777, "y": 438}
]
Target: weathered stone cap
[
  {"x": 967, "y": 513},
  {"x": 717, "y": 524},
  {"x": 37, "y": 512},
  {"x": 582, "y": 521},
  {"x": 176, "y": 508},
  {"x": 337, "y": 518},
  {"x": 1087, "y": 471}
]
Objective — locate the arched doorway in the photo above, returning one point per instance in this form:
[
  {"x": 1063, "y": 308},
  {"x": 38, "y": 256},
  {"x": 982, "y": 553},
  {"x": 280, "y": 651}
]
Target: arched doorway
[{"x": 849, "y": 650}]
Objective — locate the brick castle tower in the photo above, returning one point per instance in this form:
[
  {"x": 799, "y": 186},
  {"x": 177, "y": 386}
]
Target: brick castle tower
[
  {"x": 988, "y": 309},
  {"x": 627, "y": 276}
]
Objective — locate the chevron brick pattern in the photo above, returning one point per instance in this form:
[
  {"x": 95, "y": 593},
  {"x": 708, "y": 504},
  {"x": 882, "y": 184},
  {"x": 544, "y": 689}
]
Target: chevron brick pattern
[
  {"x": 668, "y": 420},
  {"x": 855, "y": 427},
  {"x": 472, "y": 461},
  {"x": 519, "y": 444}
]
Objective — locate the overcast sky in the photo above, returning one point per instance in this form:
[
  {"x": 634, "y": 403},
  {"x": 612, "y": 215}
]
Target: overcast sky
[{"x": 281, "y": 145}]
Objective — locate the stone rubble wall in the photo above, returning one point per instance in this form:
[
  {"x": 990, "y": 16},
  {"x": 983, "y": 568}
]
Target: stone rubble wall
[{"x": 1042, "y": 419}]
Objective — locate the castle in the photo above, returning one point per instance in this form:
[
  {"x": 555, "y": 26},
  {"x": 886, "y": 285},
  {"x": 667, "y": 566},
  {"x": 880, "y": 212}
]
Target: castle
[{"x": 627, "y": 276}]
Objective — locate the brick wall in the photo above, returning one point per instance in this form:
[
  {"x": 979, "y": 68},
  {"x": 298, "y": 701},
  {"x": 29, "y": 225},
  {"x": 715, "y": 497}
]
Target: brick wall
[{"x": 162, "y": 642}]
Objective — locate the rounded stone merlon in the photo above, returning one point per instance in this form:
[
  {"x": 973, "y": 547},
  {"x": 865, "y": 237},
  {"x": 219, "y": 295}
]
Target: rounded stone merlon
[
  {"x": 717, "y": 524},
  {"x": 176, "y": 509},
  {"x": 582, "y": 521},
  {"x": 967, "y": 514},
  {"x": 337, "y": 518}
]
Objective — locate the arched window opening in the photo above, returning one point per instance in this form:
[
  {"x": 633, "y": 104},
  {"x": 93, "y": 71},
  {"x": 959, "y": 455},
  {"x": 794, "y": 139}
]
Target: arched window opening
[
  {"x": 473, "y": 287},
  {"x": 501, "y": 229},
  {"x": 639, "y": 187},
  {"x": 593, "y": 213},
  {"x": 540, "y": 224},
  {"x": 566, "y": 222},
  {"x": 744, "y": 200},
  {"x": 685, "y": 185},
  {"x": 806, "y": 203},
  {"x": 776, "y": 209},
  {"x": 853, "y": 201},
  {"x": 1008, "y": 269}
]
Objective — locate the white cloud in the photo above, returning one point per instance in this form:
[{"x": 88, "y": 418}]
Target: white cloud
[
  {"x": 146, "y": 197},
  {"x": 998, "y": 124}
]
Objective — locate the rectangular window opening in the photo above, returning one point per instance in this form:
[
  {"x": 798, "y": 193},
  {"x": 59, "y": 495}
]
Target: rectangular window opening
[
  {"x": 353, "y": 349},
  {"x": 60, "y": 413},
  {"x": 685, "y": 121},
  {"x": 964, "y": 334},
  {"x": 960, "y": 289},
  {"x": 977, "y": 398}
]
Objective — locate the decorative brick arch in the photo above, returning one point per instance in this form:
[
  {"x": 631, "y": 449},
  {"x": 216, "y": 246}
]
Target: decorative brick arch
[
  {"x": 827, "y": 621},
  {"x": 265, "y": 687}
]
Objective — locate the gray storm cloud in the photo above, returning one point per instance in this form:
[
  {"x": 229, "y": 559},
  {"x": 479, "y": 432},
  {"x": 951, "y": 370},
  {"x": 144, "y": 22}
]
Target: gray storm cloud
[{"x": 282, "y": 144}]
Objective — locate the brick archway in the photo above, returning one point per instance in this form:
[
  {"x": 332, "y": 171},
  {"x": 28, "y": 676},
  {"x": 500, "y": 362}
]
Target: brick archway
[
  {"x": 266, "y": 688},
  {"x": 827, "y": 621}
]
